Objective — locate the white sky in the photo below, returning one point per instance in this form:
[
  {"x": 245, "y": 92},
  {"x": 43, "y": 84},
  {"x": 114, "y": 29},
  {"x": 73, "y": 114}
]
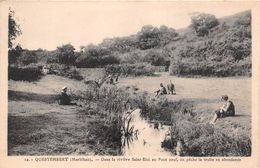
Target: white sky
[{"x": 48, "y": 25}]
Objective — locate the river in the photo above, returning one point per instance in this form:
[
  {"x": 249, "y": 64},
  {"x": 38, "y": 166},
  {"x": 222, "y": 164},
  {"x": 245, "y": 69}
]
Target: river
[{"x": 147, "y": 140}]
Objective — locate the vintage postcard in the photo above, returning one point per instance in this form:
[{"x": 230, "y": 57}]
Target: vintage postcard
[{"x": 129, "y": 84}]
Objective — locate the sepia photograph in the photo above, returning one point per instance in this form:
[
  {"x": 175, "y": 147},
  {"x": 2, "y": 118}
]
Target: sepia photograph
[{"x": 142, "y": 79}]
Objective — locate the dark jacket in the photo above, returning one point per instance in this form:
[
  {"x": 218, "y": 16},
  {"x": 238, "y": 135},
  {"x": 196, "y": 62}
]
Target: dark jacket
[{"x": 64, "y": 99}]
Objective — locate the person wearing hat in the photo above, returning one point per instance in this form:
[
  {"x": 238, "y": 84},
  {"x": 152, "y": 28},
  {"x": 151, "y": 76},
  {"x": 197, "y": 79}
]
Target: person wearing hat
[
  {"x": 64, "y": 98},
  {"x": 161, "y": 91},
  {"x": 227, "y": 109}
]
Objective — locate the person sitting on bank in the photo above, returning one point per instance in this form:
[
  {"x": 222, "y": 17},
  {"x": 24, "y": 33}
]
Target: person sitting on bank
[
  {"x": 227, "y": 109},
  {"x": 64, "y": 98},
  {"x": 161, "y": 91}
]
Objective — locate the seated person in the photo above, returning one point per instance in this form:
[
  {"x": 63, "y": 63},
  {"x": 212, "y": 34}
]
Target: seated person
[
  {"x": 64, "y": 98},
  {"x": 227, "y": 109},
  {"x": 161, "y": 91}
]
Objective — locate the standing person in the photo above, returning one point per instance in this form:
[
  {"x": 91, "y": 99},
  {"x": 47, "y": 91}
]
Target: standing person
[
  {"x": 227, "y": 109},
  {"x": 64, "y": 98},
  {"x": 161, "y": 91},
  {"x": 171, "y": 88},
  {"x": 111, "y": 80},
  {"x": 116, "y": 80}
]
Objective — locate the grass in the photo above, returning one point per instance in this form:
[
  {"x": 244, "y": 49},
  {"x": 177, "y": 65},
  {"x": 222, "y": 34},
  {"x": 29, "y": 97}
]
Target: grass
[
  {"x": 189, "y": 117},
  {"x": 37, "y": 125},
  {"x": 59, "y": 130}
]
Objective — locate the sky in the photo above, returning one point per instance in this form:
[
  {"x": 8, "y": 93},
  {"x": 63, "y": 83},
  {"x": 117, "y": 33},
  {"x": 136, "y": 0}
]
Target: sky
[{"x": 47, "y": 25}]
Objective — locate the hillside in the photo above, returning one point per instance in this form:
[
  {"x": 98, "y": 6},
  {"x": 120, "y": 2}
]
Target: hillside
[
  {"x": 225, "y": 51},
  {"x": 208, "y": 47}
]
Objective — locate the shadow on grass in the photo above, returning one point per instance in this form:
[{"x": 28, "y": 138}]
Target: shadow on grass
[
  {"x": 27, "y": 96},
  {"x": 23, "y": 129},
  {"x": 200, "y": 100},
  {"x": 240, "y": 115}
]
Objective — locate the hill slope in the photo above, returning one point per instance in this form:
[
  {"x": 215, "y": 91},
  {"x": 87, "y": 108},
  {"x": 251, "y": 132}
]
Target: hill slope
[{"x": 225, "y": 51}]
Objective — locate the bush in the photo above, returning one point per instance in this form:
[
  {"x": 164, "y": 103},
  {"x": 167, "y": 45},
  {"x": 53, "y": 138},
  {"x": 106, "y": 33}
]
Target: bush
[
  {"x": 26, "y": 73},
  {"x": 225, "y": 51},
  {"x": 205, "y": 140},
  {"x": 65, "y": 71},
  {"x": 131, "y": 69},
  {"x": 196, "y": 137},
  {"x": 203, "y": 22},
  {"x": 27, "y": 57},
  {"x": 108, "y": 105}
]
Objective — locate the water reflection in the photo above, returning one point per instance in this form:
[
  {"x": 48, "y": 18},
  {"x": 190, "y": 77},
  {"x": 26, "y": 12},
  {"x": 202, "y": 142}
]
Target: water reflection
[{"x": 146, "y": 137}]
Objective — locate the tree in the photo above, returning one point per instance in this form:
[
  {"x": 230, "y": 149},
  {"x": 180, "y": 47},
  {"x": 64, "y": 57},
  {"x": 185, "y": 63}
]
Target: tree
[
  {"x": 203, "y": 22},
  {"x": 66, "y": 54},
  {"x": 157, "y": 58},
  {"x": 13, "y": 28},
  {"x": 27, "y": 57},
  {"x": 14, "y": 54},
  {"x": 148, "y": 37}
]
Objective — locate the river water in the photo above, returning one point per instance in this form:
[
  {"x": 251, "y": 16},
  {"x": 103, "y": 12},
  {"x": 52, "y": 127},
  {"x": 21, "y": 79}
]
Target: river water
[{"x": 147, "y": 140}]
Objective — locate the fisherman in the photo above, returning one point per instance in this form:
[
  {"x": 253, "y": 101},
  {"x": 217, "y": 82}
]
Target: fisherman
[
  {"x": 161, "y": 91},
  {"x": 64, "y": 98},
  {"x": 227, "y": 109},
  {"x": 171, "y": 88}
]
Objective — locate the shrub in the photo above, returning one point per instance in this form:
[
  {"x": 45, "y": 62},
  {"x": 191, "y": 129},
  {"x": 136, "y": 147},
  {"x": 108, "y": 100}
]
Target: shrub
[
  {"x": 26, "y": 73},
  {"x": 131, "y": 69},
  {"x": 197, "y": 138},
  {"x": 13, "y": 54},
  {"x": 205, "y": 140},
  {"x": 65, "y": 71},
  {"x": 108, "y": 105},
  {"x": 203, "y": 22},
  {"x": 27, "y": 57},
  {"x": 225, "y": 51}
]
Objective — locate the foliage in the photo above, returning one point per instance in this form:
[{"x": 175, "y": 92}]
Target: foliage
[
  {"x": 27, "y": 57},
  {"x": 109, "y": 104},
  {"x": 66, "y": 54},
  {"x": 202, "y": 23},
  {"x": 197, "y": 137},
  {"x": 25, "y": 73},
  {"x": 14, "y": 53},
  {"x": 157, "y": 58},
  {"x": 226, "y": 51},
  {"x": 217, "y": 47},
  {"x": 65, "y": 71},
  {"x": 160, "y": 109},
  {"x": 205, "y": 140},
  {"x": 14, "y": 29},
  {"x": 150, "y": 37},
  {"x": 131, "y": 69}
]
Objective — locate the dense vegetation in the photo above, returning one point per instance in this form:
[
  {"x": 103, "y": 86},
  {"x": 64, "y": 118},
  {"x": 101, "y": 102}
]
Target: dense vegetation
[
  {"x": 208, "y": 47},
  {"x": 224, "y": 50},
  {"x": 190, "y": 127}
]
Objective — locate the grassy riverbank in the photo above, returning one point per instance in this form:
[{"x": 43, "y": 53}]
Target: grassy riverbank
[{"x": 191, "y": 110}]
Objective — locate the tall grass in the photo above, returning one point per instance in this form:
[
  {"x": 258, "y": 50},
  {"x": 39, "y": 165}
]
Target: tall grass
[
  {"x": 198, "y": 138},
  {"x": 201, "y": 139},
  {"x": 108, "y": 104}
]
